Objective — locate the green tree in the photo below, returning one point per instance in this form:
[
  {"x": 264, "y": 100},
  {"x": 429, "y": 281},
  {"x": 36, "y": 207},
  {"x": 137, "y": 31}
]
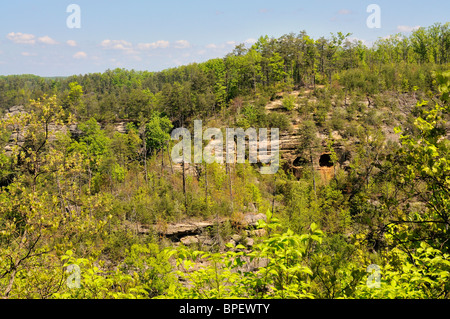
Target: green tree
[
  {"x": 425, "y": 171},
  {"x": 309, "y": 145},
  {"x": 157, "y": 132}
]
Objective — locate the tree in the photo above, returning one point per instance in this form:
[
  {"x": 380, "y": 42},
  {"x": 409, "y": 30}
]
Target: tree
[
  {"x": 35, "y": 219},
  {"x": 420, "y": 43},
  {"x": 157, "y": 132},
  {"x": 424, "y": 171},
  {"x": 276, "y": 67},
  {"x": 309, "y": 144},
  {"x": 95, "y": 146}
]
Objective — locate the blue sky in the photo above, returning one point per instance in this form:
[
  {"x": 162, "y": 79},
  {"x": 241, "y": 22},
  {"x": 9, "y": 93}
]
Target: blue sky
[{"x": 154, "y": 35}]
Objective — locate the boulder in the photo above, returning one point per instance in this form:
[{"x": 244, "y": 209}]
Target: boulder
[
  {"x": 251, "y": 220},
  {"x": 237, "y": 238},
  {"x": 249, "y": 242},
  {"x": 189, "y": 240}
]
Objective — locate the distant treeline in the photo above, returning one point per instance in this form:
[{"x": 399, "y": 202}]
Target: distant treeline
[{"x": 398, "y": 62}]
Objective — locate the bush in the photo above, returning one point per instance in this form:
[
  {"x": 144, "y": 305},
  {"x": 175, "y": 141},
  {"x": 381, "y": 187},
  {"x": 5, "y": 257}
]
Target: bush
[
  {"x": 289, "y": 102},
  {"x": 278, "y": 120}
]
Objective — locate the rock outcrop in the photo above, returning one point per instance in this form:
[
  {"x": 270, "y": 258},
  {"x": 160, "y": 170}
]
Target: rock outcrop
[{"x": 197, "y": 232}]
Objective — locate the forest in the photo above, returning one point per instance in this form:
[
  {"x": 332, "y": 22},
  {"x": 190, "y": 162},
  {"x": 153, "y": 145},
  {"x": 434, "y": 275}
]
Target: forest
[{"x": 92, "y": 207}]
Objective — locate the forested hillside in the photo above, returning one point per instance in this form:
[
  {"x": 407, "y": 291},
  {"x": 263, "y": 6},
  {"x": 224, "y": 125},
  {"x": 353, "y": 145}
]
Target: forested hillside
[{"x": 91, "y": 205}]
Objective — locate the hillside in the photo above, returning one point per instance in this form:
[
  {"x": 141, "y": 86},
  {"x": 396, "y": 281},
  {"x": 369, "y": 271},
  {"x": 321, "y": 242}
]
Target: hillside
[{"x": 86, "y": 176}]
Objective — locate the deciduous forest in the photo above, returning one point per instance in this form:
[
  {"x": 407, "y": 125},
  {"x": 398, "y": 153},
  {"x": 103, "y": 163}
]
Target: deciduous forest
[{"x": 93, "y": 207}]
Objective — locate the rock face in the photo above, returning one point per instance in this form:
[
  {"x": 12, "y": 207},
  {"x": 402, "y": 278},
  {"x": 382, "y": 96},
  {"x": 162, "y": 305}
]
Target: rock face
[
  {"x": 121, "y": 127},
  {"x": 178, "y": 231},
  {"x": 18, "y": 109},
  {"x": 189, "y": 240},
  {"x": 252, "y": 220},
  {"x": 18, "y": 136},
  {"x": 193, "y": 233}
]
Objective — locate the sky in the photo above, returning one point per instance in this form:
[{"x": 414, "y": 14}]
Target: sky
[{"x": 44, "y": 38}]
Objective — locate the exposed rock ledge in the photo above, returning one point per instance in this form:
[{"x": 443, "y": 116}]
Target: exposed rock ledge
[{"x": 193, "y": 232}]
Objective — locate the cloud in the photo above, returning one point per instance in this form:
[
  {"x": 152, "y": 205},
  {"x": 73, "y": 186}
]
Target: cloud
[
  {"x": 28, "y": 54},
  {"x": 161, "y": 44},
  {"x": 116, "y": 44},
  {"x": 71, "y": 43},
  {"x": 250, "y": 41},
  {"x": 344, "y": 12},
  {"x": 21, "y": 38},
  {"x": 356, "y": 40},
  {"x": 80, "y": 55},
  {"x": 119, "y": 45},
  {"x": 225, "y": 45},
  {"x": 406, "y": 28},
  {"x": 26, "y": 38},
  {"x": 47, "y": 40},
  {"x": 182, "y": 44}
]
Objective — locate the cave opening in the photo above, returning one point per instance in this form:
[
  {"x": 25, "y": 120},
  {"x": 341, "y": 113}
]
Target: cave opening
[
  {"x": 300, "y": 161},
  {"x": 325, "y": 160}
]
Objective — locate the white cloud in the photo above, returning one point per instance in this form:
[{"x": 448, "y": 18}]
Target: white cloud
[
  {"x": 71, "y": 43},
  {"x": 28, "y": 54},
  {"x": 116, "y": 44},
  {"x": 21, "y": 38},
  {"x": 212, "y": 46},
  {"x": 406, "y": 28},
  {"x": 161, "y": 44},
  {"x": 182, "y": 44},
  {"x": 47, "y": 40},
  {"x": 231, "y": 42},
  {"x": 356, "y": 39},
  {"x": 119, "y": 45},
  {"x": 250, "y": 41},
  {"x": 80, "y": 55}
]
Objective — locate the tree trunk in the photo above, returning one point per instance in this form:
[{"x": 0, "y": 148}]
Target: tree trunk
[
  {"x": 162, "y": 161},
  {"x": 206, "y": 187},
  {"x": 145, "y": 162},
  {"x": 184, "y": 187},
  {"x": 274, "y": 192},
  {"x": 230, "y": 186},
  {"x": 168, "y": 151},
  {"x": 313, "y": 173}
]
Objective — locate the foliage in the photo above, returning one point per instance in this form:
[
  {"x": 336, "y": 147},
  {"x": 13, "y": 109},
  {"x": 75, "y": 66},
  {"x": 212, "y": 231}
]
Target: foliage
[
  {"x": 157, "y": 132},
  {"x": 282, "y": 274},
  {"x": 77, "y": 192}
]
